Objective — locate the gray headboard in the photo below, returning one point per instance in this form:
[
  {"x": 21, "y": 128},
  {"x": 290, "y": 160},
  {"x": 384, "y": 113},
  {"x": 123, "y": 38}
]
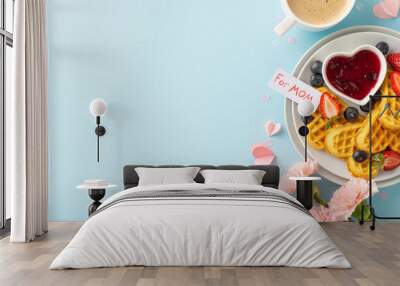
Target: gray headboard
[{"x": 271, "y": 178}]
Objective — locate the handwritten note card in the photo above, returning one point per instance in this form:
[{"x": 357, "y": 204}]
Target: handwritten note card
[{"x": 293, "y": 88}]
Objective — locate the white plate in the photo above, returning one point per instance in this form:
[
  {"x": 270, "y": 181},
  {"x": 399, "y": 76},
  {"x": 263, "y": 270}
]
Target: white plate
[{"x": 346, "y": 40}]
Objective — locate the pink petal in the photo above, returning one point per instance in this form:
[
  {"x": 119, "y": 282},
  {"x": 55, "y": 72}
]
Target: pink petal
[
  {"x": 267, "y": 160},
  {"x": 272, "y": 128},
  {"x": 379, "y": 12},
  {"x": 261, "y": 151},
  {"x": 391, "y": 7}
]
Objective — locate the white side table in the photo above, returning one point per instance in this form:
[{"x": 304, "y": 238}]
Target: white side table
[
  {"x": 96, "y": 193},
  {"x": 304, "y": 190}
]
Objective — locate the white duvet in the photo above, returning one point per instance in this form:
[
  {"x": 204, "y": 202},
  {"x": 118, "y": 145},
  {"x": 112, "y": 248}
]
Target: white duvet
[{"x": 200, "y": 231}]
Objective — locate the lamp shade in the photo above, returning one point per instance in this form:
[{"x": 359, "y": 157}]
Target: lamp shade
[
  {"x": 305, "y": 108},
  {"x": 98, "y": 107}
]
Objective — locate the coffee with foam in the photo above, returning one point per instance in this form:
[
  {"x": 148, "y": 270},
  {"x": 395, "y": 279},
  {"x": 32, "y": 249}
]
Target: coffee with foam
[{"x": 318, "y": 12}]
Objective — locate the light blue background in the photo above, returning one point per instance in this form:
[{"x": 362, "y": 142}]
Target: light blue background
[{"x": 184, "y": 82}]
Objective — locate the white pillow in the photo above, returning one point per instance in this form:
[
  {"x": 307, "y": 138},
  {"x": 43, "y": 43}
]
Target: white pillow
[
  {"x": 166, "y": 176},
  {"x": 248, "y": 177}
]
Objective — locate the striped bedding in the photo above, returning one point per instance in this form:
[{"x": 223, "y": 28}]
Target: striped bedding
[{"x": 201, "y": 225}]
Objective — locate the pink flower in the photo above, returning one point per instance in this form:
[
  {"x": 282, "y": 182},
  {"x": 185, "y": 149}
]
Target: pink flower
[
  {"x": 300, "y": 169},
  {"x": 322, "y": 214},
  {"x": 344, "y": 201}
]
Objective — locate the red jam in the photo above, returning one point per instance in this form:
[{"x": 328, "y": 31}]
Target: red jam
[{"x": 354, "y": 76}]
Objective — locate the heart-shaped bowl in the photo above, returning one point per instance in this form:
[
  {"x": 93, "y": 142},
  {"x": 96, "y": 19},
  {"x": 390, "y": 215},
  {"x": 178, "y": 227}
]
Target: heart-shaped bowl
[{"x": 357, "y": 71}]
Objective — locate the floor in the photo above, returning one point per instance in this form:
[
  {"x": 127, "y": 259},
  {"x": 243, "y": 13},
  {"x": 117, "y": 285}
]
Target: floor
[
  {"x": 375, "y": 257},
  {"x": 4, "y": 232}
]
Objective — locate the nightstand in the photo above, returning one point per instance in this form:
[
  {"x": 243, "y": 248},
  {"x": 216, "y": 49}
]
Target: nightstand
[
  {"x": 304, "y": 190},
  {"x": 96, "y": 193}
]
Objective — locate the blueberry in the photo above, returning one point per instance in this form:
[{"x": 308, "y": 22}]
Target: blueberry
[
  {"x": 360, "y": 156},
  {"x": 351, "y": 114},
  {"x": 383, "y": 47},
  {"x": 316, "y": 80},
  {"x": 376, "y": 96},
  {"x": 316, "y": 67}
]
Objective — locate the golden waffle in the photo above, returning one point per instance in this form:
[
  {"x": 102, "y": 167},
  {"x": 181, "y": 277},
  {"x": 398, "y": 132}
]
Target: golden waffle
[
  {"x": 338, "y": 121},
  {"x": 385, "y": 85},
  {"x": 361, "y": 170},
  {"x": 323, "y": 89},
  {"x": 390, "y": 118},
  {"x": 390, "y": 91},
  {"x": 394, "y": 140},
  {"x": 318, "y": 126},
  {"x": 317, "y": 131},
  {"x": 379, "y": 134},
  {"x": 340, "y": 141}
]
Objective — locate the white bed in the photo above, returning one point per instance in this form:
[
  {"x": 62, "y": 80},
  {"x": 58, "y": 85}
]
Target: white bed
[{"x": 185, "y": 230}]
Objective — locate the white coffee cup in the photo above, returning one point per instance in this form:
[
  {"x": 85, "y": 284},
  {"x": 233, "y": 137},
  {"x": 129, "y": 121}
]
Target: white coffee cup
[{"x": 292, "y": 19}]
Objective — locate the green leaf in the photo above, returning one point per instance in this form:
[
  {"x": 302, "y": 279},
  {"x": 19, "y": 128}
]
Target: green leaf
[
  {"x": 379, "y": 157},
  {"x": 317, "y": 196},
  {"x": 357, "y": 212},
  {"x": 328, "y": 124},
  {"x": 378, "y": 160}
]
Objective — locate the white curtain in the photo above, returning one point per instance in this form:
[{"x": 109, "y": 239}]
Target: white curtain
[{"x": 27, "y": 123}]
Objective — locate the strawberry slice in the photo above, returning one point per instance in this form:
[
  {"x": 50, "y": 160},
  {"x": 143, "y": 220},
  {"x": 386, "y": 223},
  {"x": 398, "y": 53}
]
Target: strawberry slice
[
  {"x": 392, "y": 160},
  {"x": 329, "y": 105},
  {"x": 394, "y": 60},
  {"x": 395, "y": 82}
]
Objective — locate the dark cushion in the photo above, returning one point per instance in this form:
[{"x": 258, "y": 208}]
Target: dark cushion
[{"x": 270, "y": 179}]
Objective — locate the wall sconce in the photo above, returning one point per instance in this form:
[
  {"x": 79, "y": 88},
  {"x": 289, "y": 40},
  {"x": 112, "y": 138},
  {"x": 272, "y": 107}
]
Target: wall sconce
[
  {"x": 305, "y": 109},
  {"x": 98, "y": 108}
]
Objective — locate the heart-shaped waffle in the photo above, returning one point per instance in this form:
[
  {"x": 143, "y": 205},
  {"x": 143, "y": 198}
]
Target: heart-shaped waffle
[
  {"x": 390, "y": 118},
  {"x": 379, "y": 134},
  {"x": 341, "y": 141},
  {"x": 394, "y": 140},
  {"x": 317, "y": 131},
  {"x": 361, "y": 170},
  {"x": 386, "y": 83}
]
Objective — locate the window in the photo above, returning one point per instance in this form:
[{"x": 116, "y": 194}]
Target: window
[{"x": 6, "y": 44}]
